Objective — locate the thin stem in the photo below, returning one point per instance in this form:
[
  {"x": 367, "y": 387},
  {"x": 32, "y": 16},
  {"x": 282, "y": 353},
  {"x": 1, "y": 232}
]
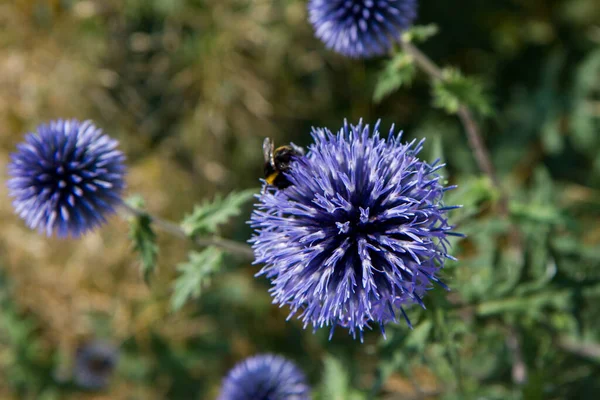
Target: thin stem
[
  {"x": 484, "y": 162},
  {"x": 230, "y": 246},
  {"x": 583, "y": 349},
  {"x": 422, "y": 60},
  {"x": 480, "y": 151},
  {"x": 519, "y": 369},
  {"x": 477, "y": 145}
]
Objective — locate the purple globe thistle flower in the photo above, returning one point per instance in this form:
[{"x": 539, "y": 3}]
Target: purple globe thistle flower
[
  {"x": 361, "y": 28},
  {"x": 66, "y": 177},
  {"x": 360, "y": 233},
  {"x": 265, "y": 377},
  {"x": 94, "y": 365}
]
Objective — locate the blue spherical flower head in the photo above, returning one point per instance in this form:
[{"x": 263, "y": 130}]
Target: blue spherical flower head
[
  {"x": 66, "y": 177},
  {"x": 361, "y": 232},
  {"x": 265, "y": 377},
  {"x": 94, "y": 365},
  {"x": 361, "y": 28}
]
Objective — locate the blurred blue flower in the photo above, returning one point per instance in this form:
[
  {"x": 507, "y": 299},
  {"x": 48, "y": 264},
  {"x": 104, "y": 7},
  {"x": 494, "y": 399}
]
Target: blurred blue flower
[
  {"x": 94, "y": 365},
  {"x": 265, "y": 377},
  {"x": 66, "y": 177},
  {"x": 361, "y": 28},
  {"x": 361, "y": 232}
]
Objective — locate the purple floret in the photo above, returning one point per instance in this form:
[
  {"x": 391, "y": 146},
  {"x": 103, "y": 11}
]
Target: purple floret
[
  {"x": 360, "y": 234},
  {"x": 361, "y": 28},
  {"x": 265, "y": 377},
  {"x": 66, "y": 178}
]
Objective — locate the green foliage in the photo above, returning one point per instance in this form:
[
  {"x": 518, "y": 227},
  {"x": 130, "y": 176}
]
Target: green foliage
[
  {"x": 454, "y": 90},
  {"x": 25, "y": 364},
  {"x": 195, "y": 274},
  {"x": 335, "y": 384},
  {"x": 207, "y": 217},
  {"x": 420, "y": 33},
  {"x": 586, "y": 118},
  {"x": 397, "y": 72},
  {"x": 400, "y": 70},
  {"x": 192, "y": 87},
  {"x": 143, "y": 238}
]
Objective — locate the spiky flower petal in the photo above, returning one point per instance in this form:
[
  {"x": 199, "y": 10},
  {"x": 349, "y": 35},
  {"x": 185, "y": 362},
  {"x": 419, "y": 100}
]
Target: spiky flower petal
[
  {"x": 66, "y": 177},
  {"x": 361, "y": 233},
  {"x": 265, "y": 377},
  {"x": 361, "y": 28}
]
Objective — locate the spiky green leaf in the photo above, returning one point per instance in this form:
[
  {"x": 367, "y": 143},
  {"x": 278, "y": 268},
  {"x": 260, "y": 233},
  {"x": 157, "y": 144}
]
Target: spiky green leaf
[
  {"x": 195, "y": 274},
  {"x": 143, "y": 237},
  {"x": 455, "y": 90},
  {"x": 208, "y": 216},
  {"x": 398, "y": 72},
  {"x": 420, "y": 33}
]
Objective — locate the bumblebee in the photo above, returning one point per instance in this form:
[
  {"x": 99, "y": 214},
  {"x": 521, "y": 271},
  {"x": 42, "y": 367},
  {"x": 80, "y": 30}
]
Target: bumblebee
[{"x": 278, "y": 160}]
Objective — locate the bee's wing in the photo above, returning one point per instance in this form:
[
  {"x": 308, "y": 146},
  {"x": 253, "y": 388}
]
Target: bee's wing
[
  {"x": 268, "y": 148},
  {"x": 297, "y": 149}
]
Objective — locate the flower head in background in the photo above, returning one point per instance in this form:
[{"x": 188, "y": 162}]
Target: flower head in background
[
  {"x": 265, "y": 377},
  {"x": 361, "y": 28},
  {"x": 94, "y": 365},
  {"x": 360, "y": 233},
  {"x": 66, "y": 177}
]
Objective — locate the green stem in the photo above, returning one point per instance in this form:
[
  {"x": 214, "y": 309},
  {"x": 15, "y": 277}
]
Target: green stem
[
  {"x": 480, "y": 151},
  {"x": 239, "y": 249},
  {"x": 484, "y": 161}
]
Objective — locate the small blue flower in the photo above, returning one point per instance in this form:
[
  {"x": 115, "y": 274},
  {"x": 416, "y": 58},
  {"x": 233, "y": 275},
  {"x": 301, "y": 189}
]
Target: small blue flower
[
  {"x": 66, "y": 177},
  {"x": 361, "y": 232},
  {"x": 94, "y": 365},
  {"x": 265, "y": 377},
  {"x": 361, "y": 28}
]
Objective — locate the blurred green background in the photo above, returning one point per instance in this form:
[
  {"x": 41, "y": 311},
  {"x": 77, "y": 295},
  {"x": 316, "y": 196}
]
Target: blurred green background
[{"x": 191, "y": 88}]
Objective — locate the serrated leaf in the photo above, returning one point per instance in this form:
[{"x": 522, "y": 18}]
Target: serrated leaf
[
  {"x": 420, "y": 33},
  {"x": 144, "y": 239},
  {"x": 195, "y": 274},
  {"x": 472, "y": 192},
  {"x": 207, "y": 217},
  {"x": 455, "y": 90},
  {"x": 398, "y": 72},
  {"x": 336, "y": 383}
]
